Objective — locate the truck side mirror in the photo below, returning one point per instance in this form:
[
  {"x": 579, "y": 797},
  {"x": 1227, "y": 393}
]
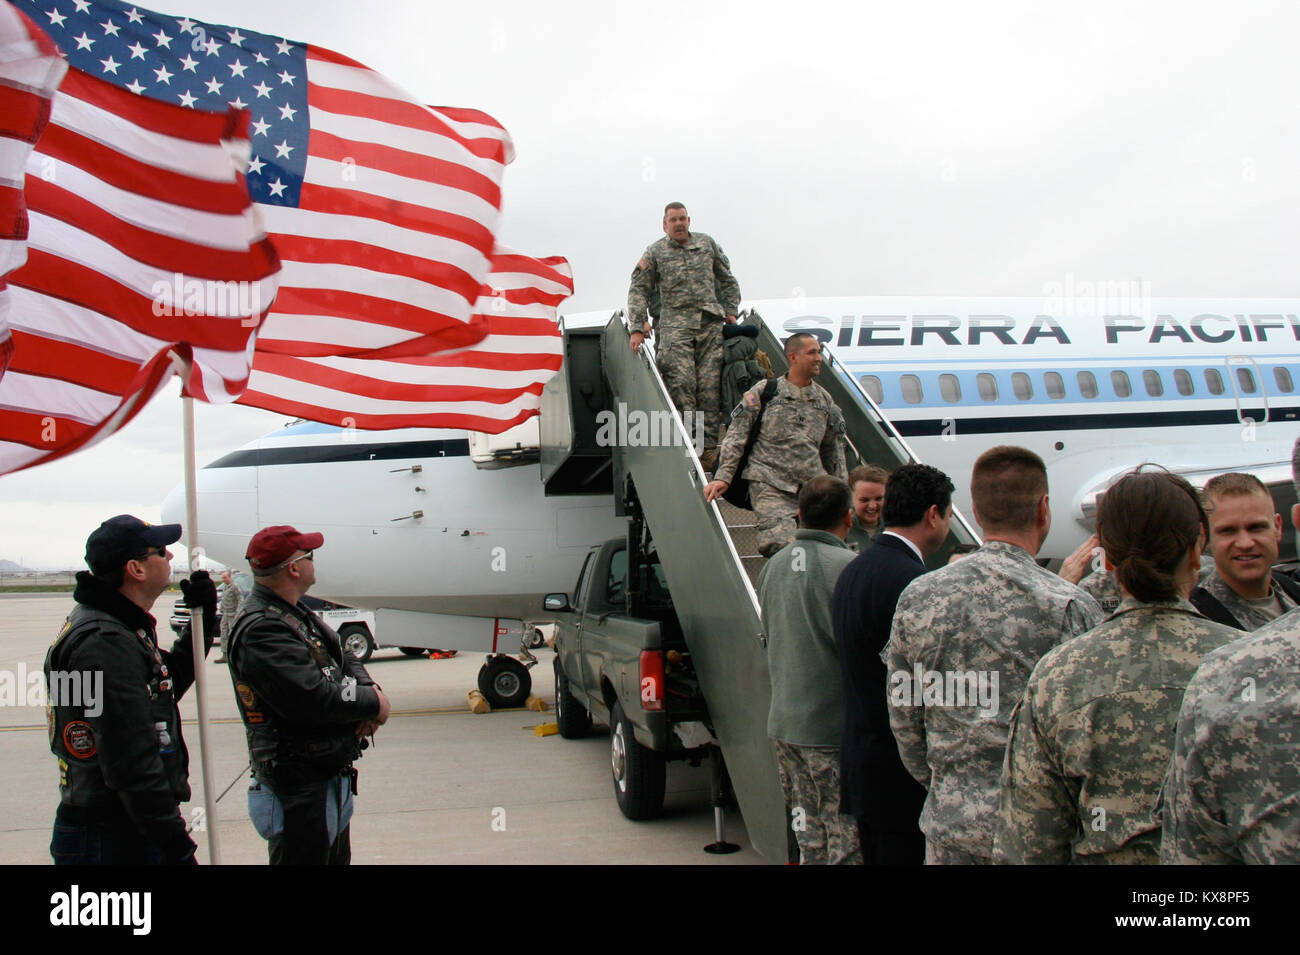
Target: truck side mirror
[{"x": 556, "y": 602}]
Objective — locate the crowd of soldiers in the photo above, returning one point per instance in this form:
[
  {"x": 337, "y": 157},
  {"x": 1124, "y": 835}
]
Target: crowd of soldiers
[{"x": 991, "y": 711}]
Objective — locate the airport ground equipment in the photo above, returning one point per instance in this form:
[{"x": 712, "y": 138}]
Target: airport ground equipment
[{"x": 607, "y": 426}]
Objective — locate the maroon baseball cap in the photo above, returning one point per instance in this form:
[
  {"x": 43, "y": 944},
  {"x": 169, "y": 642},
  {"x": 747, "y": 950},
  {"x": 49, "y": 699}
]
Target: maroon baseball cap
[{"x": 273, "y": 546}]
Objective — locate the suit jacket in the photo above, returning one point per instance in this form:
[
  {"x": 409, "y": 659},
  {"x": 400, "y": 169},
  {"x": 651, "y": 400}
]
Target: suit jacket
[{"x": 874, "y": 784}]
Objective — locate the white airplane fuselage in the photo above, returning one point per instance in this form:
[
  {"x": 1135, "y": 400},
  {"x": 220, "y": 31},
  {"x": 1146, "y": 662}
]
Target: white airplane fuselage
[{"x": 1199, "y": 387}]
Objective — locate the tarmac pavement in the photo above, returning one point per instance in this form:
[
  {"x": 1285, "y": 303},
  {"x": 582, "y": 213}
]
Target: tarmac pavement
[{"x": 442, "y": 785}]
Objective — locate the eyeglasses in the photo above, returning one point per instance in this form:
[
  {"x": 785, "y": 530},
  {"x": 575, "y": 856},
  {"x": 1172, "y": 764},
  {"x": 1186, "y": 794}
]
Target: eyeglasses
[{"x": 306, "y": 556}]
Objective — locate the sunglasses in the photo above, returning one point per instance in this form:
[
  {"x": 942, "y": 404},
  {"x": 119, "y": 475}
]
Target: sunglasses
[{"x": 150, "y": 551}]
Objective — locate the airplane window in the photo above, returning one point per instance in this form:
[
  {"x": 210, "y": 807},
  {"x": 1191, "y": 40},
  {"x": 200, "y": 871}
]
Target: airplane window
[
  {"x": 1155, "y": 387},
  {"x": 911, "y": 389},
  {"x": 871, "y": 385},
  {"x": 1214, "y": 381},
  {"x": 1246, "y": 380},
  {"x": 1022, "y": 386},
  {"x": 1087, "y": 384},
  {"x": 1054, "y": 384},
  {"x": 950, "y": 388},
  {"x": 988, "y": 386},
  {"x": 1183, "y": 381},
  {"x": 1283, "y": 378},
  {"x": 1119, "y": 381}
]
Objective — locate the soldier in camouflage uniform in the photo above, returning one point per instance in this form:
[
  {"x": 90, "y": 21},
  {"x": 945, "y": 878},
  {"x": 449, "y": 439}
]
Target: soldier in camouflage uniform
[
  {"x": 990, "y": 614},
  {"x": 1233, "y": 790},
  {"x": 1245, "y": 533},
  {"x": 800, "y": 437},
  {"x": 697, "y": 293},
  {"x": 806, "y": 717},
  {"x": 868, "y": 482},
  {"x": 1093, "y": 735}
]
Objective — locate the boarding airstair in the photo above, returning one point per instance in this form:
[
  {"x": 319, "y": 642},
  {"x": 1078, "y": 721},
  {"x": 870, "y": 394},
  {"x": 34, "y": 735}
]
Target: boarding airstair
[{"x": 707, "y": 552}]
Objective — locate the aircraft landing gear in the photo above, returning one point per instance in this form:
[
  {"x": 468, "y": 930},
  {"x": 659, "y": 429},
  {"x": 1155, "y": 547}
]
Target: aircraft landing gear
[{"x": 504, "y": 681}]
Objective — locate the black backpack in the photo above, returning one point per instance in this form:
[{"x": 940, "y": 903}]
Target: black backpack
[{"x": 737, "y": 493}]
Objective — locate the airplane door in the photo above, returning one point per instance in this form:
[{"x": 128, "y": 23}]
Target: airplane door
[{"x": 1248, "y": 389}]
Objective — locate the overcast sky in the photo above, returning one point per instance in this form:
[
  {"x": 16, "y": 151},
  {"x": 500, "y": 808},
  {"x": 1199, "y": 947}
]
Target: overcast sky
[{"x": 832, "y": 149}]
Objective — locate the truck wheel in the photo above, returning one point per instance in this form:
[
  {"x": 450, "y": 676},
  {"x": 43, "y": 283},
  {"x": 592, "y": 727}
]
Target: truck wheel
[
  {"x": 415, "y": 651},
  {"x": 639, "y": 773},
  {"x": 504, "y": 682},
  {"x": 356, "y": 640},
  {"x": 570, "y": 715}
]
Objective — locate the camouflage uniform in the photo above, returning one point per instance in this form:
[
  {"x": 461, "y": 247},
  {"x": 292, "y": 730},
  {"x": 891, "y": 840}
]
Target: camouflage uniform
[
  {"x": 229, "y": 610},
  {"x": 993, "y": 611},
  {"x": 1233, "y": 790},
  {"x": 861, "y": 536},
  {"x": 806, "y": 717},
  {"x": 1093, "y": 735},
  {"x": 1102, "y": 586},
  {"x": 697, "y": 291},
  {"x": 1250, "y": 615},
  {"x": 800, "y": 438}
]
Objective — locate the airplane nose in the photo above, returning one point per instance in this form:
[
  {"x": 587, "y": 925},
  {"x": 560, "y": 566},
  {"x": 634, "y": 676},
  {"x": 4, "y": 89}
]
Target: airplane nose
[{"x": 227, "y": 512}]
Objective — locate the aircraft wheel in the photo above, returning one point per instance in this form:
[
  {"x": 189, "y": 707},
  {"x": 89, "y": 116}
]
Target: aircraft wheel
[
  {"x": 504, "y": 682},
  {"x": 357, "y": 641},
  {"x": 639, "y": 773},
  {"x": 570, "y": 715}
]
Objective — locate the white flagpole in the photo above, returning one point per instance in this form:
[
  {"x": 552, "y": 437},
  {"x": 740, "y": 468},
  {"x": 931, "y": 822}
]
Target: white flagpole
[{"x": 196, "y": 619}]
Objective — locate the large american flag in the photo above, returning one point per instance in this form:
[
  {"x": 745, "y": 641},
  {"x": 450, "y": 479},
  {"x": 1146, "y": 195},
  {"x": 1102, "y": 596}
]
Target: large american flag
[{"x": 383, "y": 210}]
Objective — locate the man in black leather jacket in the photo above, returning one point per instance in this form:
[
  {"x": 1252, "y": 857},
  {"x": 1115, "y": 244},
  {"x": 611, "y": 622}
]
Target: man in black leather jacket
[
  {"x": 306, "y": 705},
  {"x": 114, "y": 723}
]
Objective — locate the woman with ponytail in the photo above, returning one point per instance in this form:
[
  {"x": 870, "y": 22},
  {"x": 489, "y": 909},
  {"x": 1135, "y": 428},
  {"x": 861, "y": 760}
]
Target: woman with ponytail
[{"x": 1094, "y": 733}]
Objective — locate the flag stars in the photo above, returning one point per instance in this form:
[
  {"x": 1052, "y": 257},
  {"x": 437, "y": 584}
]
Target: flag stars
[
  {"x": 190, "y": 64},
  {"x": 286, "y": 77},
  {"x": 56, "y": 18},
  {"x": 263, "y": 90},
  {"x": 186, "y": 25},
  {"x": 110, "y": 28},
  {"x": 164, "y": 75},
  {"x": 162, "y": 39},
  {"x": 187, "y": 99},
  {"x": 110, "y": 65},
  {"x": 214, "y": 85},
  {"x": 84, "y": 42},
  {"x": 261, "y": 60},
  {"x": 282, "y": 47},
  {"x": 133, "y": 15},
  {"x": 237, "y": 69},
  {"x": 282, "y": 149},
  {"x": 260, "y": 127},
  {"x": 83, "y": 6},
  {"x": 238, "y": 103},
  {"x": 277, "y": 188},
  {"x": 255, "y": 165},
  {"x": 287, "y": 112},
  {"x": 211, "y": 47},
  {"x": 236, "y": 38},
  {"x": 137, "y": 51},
  {"x": 136, "y": 87}
]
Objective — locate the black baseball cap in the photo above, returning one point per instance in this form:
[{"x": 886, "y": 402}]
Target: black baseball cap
[{"x": 124, "y": 538}]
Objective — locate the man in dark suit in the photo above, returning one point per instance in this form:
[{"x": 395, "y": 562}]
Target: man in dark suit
[{"x": 875, "y": 786}]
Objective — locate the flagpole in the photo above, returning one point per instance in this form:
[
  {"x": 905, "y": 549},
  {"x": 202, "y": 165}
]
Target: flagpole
[{"x": 196, "y": 619}]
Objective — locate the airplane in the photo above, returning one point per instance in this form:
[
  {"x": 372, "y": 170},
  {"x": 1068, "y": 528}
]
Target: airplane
[{"x": 458, "y": 554}]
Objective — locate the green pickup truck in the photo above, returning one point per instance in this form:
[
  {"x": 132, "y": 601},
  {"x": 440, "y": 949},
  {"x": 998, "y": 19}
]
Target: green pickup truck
[{"x": 621, "y": 660}]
